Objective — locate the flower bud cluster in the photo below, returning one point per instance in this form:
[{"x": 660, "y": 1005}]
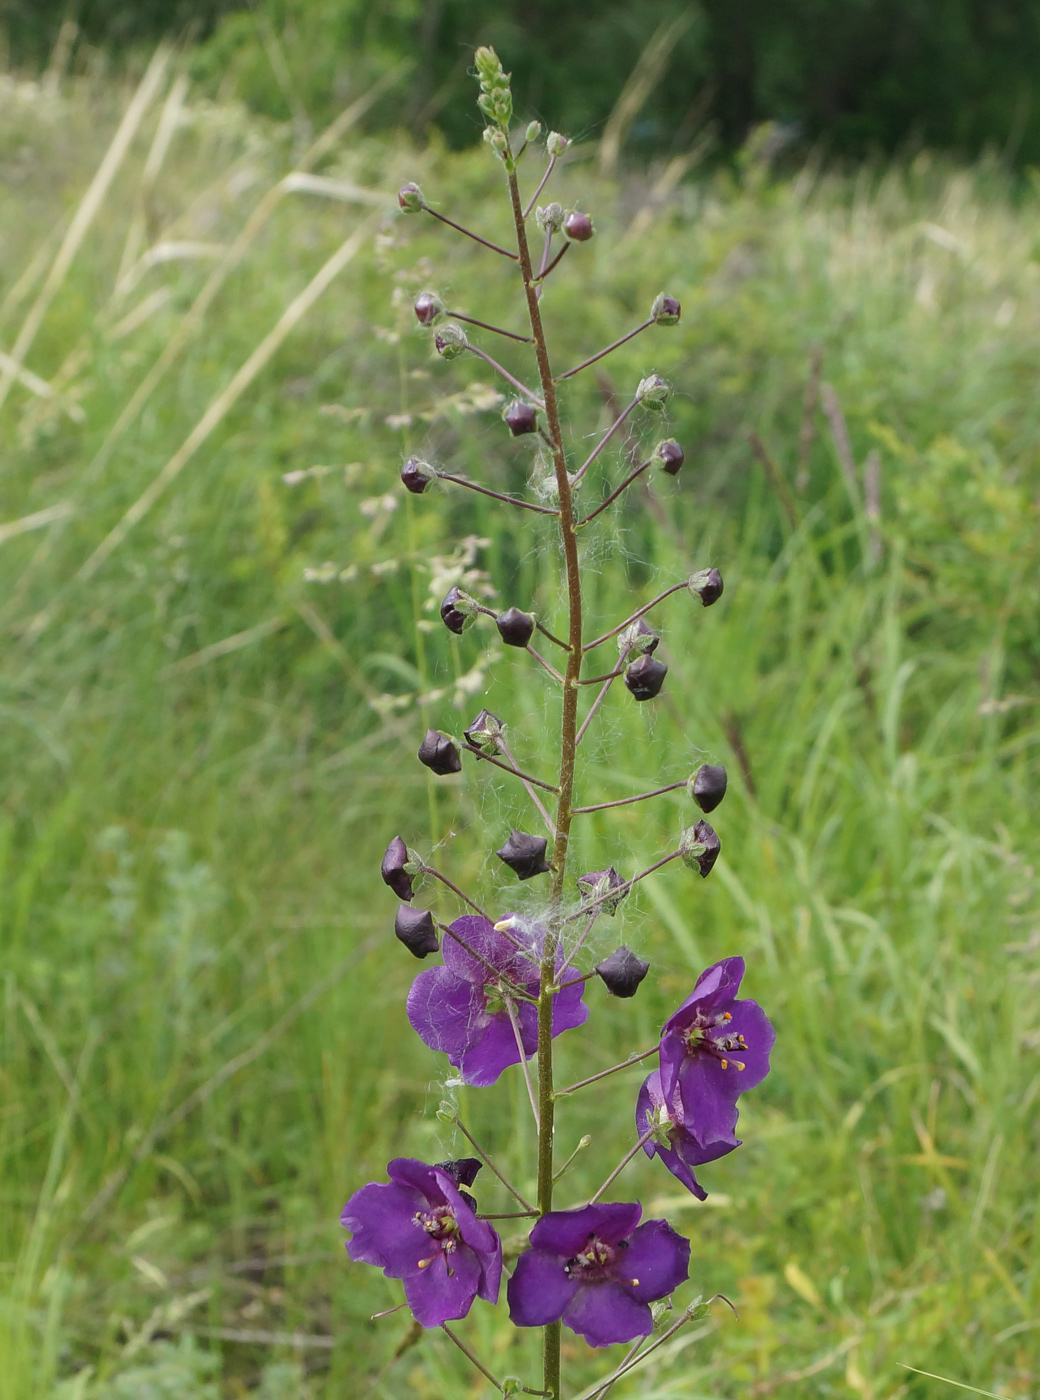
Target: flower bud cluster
[{"x": 495, "y": 100}]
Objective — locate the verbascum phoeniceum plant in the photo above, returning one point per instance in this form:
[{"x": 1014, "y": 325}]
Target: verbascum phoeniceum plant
[{"x": 509, "y": 983}]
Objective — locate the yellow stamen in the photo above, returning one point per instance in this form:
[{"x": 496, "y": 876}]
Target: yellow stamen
[{"x": 724, "y": 1064}]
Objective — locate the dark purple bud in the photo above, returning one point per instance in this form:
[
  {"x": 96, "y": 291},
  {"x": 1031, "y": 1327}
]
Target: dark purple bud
[
  {"x": 463, "y": 1171},
  {"x": 622, "y": 972},
  {"x": 598, "y": 884},
  {"x": 637, "y": 639},
  {"x": 707, "y": 787},
  {"x": 578, "y": 226},
  {"x": 516, "y": 628},
  {"x": 439, "y": 754},
  {"x": 645, "y": 677},
  {"x": 415, "y": 929},
  {"x": 521, "y": 418},
  {"x": 665, "y": 311},
  {"x": 450, "y": 341},
  {"x": 670, "y": 455},
  {"x": 525, "y": 855},
  {"x": 652, "y": 392},
  {"x": 458, "y": 610},
  {"x": 417, "y": 475},
  {"x": 410, "y": 198},
  {"x": 428, "y": 306},
  {"x": 707, "y": 585},
  {"x": 484, "y": 732},
  {"x": 699, "y": 847},
  {"x": 396, "y": 869}
]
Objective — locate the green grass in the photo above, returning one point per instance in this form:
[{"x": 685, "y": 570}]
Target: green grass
[{"x": 204, "y": 1040}]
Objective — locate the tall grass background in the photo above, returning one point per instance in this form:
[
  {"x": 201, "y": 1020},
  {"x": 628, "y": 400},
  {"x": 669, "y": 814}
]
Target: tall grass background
[{"x": 221, "y": 648}]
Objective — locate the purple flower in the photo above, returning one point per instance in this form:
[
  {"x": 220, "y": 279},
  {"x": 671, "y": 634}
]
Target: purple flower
[
  {"x": 599, "y": 1270},
  {"x": 712, "y": 1049},
  {"x": 463, "y": 1007},
  {"x": 421, "y": 1229},
  {"x": 672, "y": 1141}
]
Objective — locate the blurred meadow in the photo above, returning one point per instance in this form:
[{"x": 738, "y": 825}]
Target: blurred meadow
[{"x": 221, "y": 648}]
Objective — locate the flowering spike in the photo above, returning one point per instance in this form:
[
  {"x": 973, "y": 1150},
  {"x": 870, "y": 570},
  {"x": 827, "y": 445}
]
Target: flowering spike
[
  {"x": 670, "y": 455},
  {"x": 458, "y": 610},
  {"x": 410, "y": 198},
  {"x": 521, "y": 418},
  {"x": 415, "y": 929},
  {"x": 516, "y": 628},
  {"x": 597, "y": 886},
  {"x": 439, "y": 754},
  {"x": 417, "y": 475},
  {"x": 427, "y": 307},
  {"x": 525, "y": 855},
  {"x": 645, "y": 677},
  {"x": 485, "y": 732},
  {"x": 578, "y": 226},
  {"x": 665, "y": 311},
  {"x": 398, "y": 868},
  {"x": 707, "y": 786},
  {"x": 707, "y": 585},
  {"x": 622, "y": 972},
  {"x": 495, "y": 100},
  {"x": 699, "y": 847}
]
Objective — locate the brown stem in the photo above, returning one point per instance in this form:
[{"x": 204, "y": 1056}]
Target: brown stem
[
  {"x": 624, "y": 801},
  {"x": 568, "y": 745},
  {"x": 429, "y": 870},
  {"x": 639, "y": 612},
  {"x": 632, "y": 476},
  {"x": 544, "y": 664},
  {"x": 600, "y": 354},
  {"x": 524, "y": 777},
  {"x": 529, "y": 789},
  {"x": 469, "y": 233},
  {"x": 486, "y": 491},
  {"x": 594, "y": 707},
  {"x": 554, "y": 262},
  {"x": 509, "y": 378},
  {"x": 486, "y": 326},
  {"x": 618, "y": 890},
  {"x": 622, "y": 1165},
  {"x": 541, "y": 186},
  {"x": 596, "y": 680},
  {"x": 546, "y": 633},
  {"x": 491, "y": 1166},
  {"x": 603, "y": 441},
  {"x": 466, "y": 1352},
  {"x": 632, "y": 1060}
]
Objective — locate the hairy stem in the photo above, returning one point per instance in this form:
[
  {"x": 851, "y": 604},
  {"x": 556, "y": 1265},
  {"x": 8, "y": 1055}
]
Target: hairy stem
[
  {"x": 509, "y": 378},
  {"x": 632, "y": 476},
  {"x": 491, "y": 1166},
  {"x": 639, "y": 612},
  {"x": 614, "y": 1069},
  {"x": 529, "y": 789},
  {"x": 568, "y": 746},
  {"x": 600, "y": 354},
  {"x": 511, "y": 768},
  {"x": 621, "y": 1166},
  {"x": 624, "y": 801},
  {"x": 466, "y": 1352},
  {"x": 469, "y": 233},
  {"x": 486, "y": 491},
  {"x": 617, "y": 423},
  {"x": 486, "y": 326}
]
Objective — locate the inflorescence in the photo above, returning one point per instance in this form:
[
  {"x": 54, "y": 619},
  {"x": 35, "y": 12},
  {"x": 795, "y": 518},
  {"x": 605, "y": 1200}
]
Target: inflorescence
[{"x": 507, "y": 986}]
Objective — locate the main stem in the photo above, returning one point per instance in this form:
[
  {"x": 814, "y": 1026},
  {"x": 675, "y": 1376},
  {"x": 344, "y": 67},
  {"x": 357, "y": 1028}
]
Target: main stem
[{"x": 568, "y": 747}]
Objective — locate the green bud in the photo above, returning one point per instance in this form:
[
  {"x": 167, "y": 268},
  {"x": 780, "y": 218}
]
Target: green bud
[
  {"x": 447, "y": 1112},
  {"x": 549, "y": 216},
  {"x": 496, "y": 140},
  {"x": 512, "y": 1385},
  {"x": 556, "y": 144},
  {"x": 652, "y": 392},
  {"x": 450, "y": 341},
  {"x": 495, "y": 100},
  {"x": 665, "y": 310},
  {"x": 534, "y": 130},
  {"x": 410, "y": 198}
]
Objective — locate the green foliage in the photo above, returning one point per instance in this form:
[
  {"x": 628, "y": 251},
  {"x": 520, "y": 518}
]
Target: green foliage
[
  {"x": 858, "y": 77},
  {"x": 207, "y": 740}
]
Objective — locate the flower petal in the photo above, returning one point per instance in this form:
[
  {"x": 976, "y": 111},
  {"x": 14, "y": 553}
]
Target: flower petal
[
  {"x": 494, "y": 948},
  {"x": 569, "y": 1008},
  {"x": 708, "y": 1094},
  {"x": 565, "y": 1232},
  {"x": 540, "y": 1289},
  {"x": 487, "y": 1056},
  {"x": 445, "y": 1011},
  {"x": 607, "y": 1312},
  {"x": 656, "y": 1262},
  {"x": 750, "y": 1021},
  {"x": 435, "y": 1295},
  {"x": 381, "y": 1219}
]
